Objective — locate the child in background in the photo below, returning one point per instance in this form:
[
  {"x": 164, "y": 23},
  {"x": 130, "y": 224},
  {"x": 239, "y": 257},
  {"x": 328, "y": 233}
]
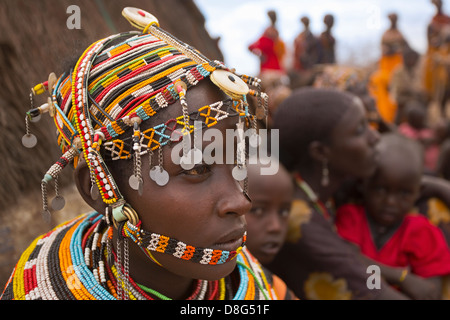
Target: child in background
[
  {"x": 267, "y": 221},
  {"x": 411, "y": 252},
  {"x": 415, "y": 127}
]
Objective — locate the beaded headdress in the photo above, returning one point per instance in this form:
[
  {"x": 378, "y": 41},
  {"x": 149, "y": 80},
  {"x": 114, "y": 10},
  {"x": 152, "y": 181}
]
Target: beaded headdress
[{"x": 121, "y": 81}]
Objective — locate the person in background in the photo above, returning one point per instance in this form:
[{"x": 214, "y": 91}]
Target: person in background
[
  {"x": 412, "y": 254},
  {"x": 270, "y": 48},
  {"x": 393, "y": 43},
  {"x": 327, "y": 42},
  {"x": 325, "y": 139},
  {"x": 267, "y": 220}
]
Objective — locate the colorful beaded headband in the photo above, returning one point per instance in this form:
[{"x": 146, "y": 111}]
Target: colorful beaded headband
[{"x": 121, "y": 81}]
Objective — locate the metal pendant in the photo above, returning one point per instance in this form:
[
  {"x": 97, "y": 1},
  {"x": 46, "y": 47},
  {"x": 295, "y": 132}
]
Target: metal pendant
[
  {"x": 29, "y": 140},
  {"x": 239, "y": 173},
  {"x": 58, "y": 203},
  {"x": 95, "y": 193},
  {"x": 161, "y": 177}
]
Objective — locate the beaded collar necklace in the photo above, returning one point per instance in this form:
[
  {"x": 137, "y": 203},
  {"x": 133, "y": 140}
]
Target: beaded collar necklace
[
  {"x": 312, "y": 196},
  {"x": 96, "y": 259}
]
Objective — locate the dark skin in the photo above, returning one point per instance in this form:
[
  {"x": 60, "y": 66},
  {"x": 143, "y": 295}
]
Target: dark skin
[
  {"x": 199, "y": 207},
  {"x": 268, "y": 219},
  {"x": 389, "y": 195},
  {"x": 350, "y": 153}
]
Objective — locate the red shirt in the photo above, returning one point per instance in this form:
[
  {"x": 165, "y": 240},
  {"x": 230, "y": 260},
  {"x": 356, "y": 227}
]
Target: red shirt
[
  {"x": 266, "y": 46},
  {"x": 416, "y": 243}
]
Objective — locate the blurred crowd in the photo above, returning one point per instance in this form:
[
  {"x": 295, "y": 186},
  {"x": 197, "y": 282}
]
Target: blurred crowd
[{"x": 404, "y": 95}]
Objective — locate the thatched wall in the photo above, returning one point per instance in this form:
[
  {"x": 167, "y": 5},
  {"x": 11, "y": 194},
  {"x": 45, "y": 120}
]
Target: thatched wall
[{"x": 35, "y": 41}]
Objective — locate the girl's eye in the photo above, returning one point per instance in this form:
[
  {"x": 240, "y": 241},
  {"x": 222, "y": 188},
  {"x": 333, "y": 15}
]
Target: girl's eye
[
  {"x": 198, "y": 170},
  {"x": 284, "y": 213},
  {"x": 257, "y": 211}
]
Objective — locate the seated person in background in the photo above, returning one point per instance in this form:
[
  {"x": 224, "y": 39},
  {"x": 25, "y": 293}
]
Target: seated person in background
[
  {"x": 411, "y": 252},
  {"x": 416, "y": 128},
  {"x": 267, "y": 220}
]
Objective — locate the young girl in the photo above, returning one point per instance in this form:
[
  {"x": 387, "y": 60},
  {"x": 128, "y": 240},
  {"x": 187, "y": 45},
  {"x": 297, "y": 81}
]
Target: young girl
[
  {"x": 167, "y": 224},
  {"x": 412, "y": 253},
  {"x": 267, "y": 221}
]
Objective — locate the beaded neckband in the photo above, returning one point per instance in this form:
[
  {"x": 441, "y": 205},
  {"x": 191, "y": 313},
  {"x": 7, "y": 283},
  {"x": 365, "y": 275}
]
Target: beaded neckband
[
  {"x": 121, "y": 81},
  {"x": 163, "y": 244}
]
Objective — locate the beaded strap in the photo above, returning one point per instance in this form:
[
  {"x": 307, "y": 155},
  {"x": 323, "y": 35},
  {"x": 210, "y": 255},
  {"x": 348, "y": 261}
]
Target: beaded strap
[{"x": 163, "y": 244}]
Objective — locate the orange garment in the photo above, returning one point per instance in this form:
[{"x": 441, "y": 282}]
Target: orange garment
[{"x": 379, "y": 86}]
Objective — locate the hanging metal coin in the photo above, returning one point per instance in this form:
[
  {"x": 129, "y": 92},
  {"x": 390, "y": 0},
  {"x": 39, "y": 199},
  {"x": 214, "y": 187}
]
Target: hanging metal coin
[
  {"x": 255, "y": 140},
  {"x": 153, "y": 171},
  {"x": 239, "y": 174},
  {"x": 187, "y": 161},
  {"x": 46, "y": 215},
  {"x": 95, "y": 193},
  {"x": 29, "y": 140},
  {"x": 196, "y": 155},
  {"x": 58, "y": 203},
  {"x": 161, "y": 177},
  {"x": 134, "y": 182}
]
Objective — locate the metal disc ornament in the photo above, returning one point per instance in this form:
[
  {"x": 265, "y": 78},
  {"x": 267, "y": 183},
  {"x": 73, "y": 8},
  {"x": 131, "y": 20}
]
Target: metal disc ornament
[
  {"x": 47, "y": 216},
  {"x": 254, "y": 140},
  {"x": 134, "y": 182},
  {"x": 196, "y": 155},
  {"x": 29, "y": 140},
  {"x": 153, "y": 171},
  {"x": 95, "y": 193},
  {"x": 161, "y": 177},
  {"x": 239, "y": 174},
  {"x": 58, "y": 203},
  {"x": 187, "y": 161}
]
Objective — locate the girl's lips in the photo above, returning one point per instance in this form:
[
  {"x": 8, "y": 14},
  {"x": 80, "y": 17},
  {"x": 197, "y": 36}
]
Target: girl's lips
[{"x": 231, "y": 241}]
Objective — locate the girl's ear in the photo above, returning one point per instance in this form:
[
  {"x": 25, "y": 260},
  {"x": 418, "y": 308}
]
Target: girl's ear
[
  {"x": 83, "y": 183},
  {"x": 318, "y": 151}
]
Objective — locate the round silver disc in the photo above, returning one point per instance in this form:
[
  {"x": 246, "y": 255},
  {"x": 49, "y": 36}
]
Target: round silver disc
[
  {"x": 186, "y": 162},
  {"x": 161, "y": 177},
  {"x": 95, "y": 193},
  {"x": 254, "y": 140},
  {"x": 239, "y": 174},
  {"x": 195, "y": 154},
  {"x": 46, "y": 215},
  {"x": 153, "y": 172},
  {"x": 58, "y": 203},
  {"x": 134, "y": 182},
  {"x": 29, "y": 140}
]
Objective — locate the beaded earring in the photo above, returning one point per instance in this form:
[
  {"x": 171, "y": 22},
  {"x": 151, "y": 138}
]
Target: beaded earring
[{"x": 29, "y": 140}]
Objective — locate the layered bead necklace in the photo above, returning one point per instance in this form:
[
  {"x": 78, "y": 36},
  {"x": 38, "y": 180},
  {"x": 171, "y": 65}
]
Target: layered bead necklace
[{"x": 71, "y": 262}]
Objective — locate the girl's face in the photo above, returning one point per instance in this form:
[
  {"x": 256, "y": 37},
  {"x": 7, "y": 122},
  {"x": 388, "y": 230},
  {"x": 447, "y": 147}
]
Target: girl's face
[
  {"x": 268, "y": 219},
  {"x": 352, "y": 144},
  {"x": 202, "y": 207},
  {"x": 392, "y": 191}
]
